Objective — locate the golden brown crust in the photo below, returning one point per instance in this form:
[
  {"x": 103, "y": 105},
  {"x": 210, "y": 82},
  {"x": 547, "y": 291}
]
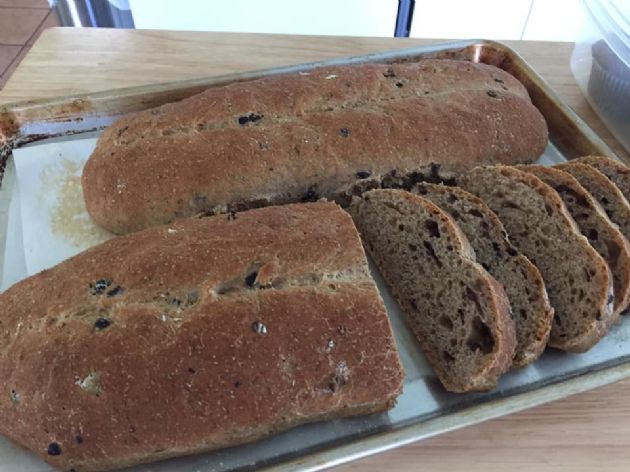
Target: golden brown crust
[
  {"x": 195, "y": 336},
  {"x": 303, "y": 136}
]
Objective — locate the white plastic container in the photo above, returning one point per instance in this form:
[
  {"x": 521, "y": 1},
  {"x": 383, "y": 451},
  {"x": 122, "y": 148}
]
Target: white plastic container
[{"x": 601, "y": 63}]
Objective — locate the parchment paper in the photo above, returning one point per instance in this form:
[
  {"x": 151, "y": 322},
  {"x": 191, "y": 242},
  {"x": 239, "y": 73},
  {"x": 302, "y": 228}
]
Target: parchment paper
[
  {"x": 54, "y": 222},
  {"x": 13, "y": 266}
]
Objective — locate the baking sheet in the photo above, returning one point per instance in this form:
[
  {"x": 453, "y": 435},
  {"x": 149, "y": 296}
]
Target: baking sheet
[
  {"x": 47, "y": 176},
  {"x": 424, "y": 409}
]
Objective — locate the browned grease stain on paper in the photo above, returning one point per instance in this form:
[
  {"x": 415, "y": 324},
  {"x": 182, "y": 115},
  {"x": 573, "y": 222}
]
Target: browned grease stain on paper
[{"x": 69, "y": 218}]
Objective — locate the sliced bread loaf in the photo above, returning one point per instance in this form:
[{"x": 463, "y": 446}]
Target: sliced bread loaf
[
  {"x": 520, "y": 278},
  {"x": 605, "y": 192},
  {"x": 459, "y": 313},
  {"x": 576, "y": 276},
  {"x": 616, "y": 171},
  {"x": 602, "y": 233}
]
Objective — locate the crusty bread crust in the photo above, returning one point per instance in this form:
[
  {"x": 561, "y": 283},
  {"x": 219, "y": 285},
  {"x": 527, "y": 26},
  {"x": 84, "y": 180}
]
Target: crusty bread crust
[
  {"x": 607, "y": 193},
  {"x": 303, "y": 136},
  {"x": 195, "y": 336},
  {"x": 617, "y": 172}
]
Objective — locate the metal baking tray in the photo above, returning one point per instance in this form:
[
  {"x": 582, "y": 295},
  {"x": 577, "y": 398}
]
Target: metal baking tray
[{"x": 424, "y": 409}]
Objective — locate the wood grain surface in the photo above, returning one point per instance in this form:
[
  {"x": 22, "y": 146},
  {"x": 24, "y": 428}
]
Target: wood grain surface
[{"x": 587, "y": 432}]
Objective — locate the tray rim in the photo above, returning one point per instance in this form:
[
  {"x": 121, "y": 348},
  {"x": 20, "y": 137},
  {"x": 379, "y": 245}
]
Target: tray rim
[
  {"x": 255, "y": 73},
  {"x": 330, "y": 456}
]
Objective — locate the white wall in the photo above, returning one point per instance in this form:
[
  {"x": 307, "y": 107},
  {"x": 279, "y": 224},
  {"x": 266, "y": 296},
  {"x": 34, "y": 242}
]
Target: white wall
[
  {"x": 484, "y": 19},
  {"x": 324, "y": 17},
  {"x": 557, "y": 20}
]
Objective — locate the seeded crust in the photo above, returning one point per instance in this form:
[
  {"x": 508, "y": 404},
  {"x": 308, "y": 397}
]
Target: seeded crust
[
  {"x": 458, "y": 312},
  {"x": 616, "y": 171},
  {"x": 593, "y": 222},
  {"x": 520, "y": 278},
  {"x": 201, "y": 335},
  {"x": 300, "y": 137},
  {"x": 607, "y": 194},
  {"x": 577, "y": 278}
]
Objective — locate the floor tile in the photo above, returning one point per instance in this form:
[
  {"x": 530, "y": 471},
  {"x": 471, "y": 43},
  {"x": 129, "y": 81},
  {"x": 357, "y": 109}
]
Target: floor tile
[
  {"x": 25, "y": 3},
  {"x": 51, "y": 21},
  {"x": 9, "y": 71},
  {"x": 17, "y": 25},
  {"x": 7, "y": 54}
]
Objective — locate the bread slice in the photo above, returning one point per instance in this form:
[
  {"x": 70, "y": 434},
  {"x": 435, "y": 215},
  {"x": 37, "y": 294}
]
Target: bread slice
[
  {"x": 199, "y": 335},
  {"x": 616, "y": 171},
  {"x": 602, "y": 233},
  {"x": 605, "y": 192},
  {"x": 520, "y": 278},
  {"x": 458, "y": 312},
  {"x": 576, "y": 276}
]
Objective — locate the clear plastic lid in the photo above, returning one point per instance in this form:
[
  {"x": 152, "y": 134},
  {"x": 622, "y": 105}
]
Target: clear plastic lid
[{"x": 612, "y": 18}]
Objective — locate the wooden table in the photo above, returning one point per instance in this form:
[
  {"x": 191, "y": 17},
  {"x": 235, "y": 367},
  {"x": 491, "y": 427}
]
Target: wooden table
[{"x": 588, "y": 432}]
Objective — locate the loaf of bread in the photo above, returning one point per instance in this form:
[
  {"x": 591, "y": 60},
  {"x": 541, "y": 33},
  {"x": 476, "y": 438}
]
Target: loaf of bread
[
  {"x": 459, "y": 313},
  {"x": 325, "y": 133},
  {"x": 520, "y": 278},
  {"x": 195, "y": 336},
  {"x": 577, "y": 278}
]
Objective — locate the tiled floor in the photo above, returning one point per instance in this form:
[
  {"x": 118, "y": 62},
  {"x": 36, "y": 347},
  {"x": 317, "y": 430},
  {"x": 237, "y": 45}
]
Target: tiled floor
[{"x": 21, "y": 22}]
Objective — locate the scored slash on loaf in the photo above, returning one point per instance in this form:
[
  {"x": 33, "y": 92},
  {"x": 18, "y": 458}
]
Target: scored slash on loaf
[
  {"x": 301, "y": 137},
  {"x": 201, "y": 335}
]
